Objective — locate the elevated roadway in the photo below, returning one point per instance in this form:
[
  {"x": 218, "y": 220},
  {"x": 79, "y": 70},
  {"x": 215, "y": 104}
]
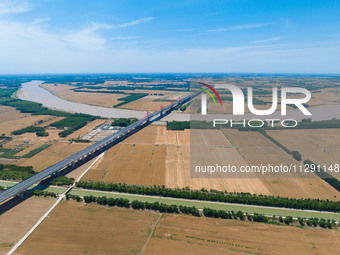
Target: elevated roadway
[
  {"x": 86, "y": 153},
  {"x": 92, "y": 149}
]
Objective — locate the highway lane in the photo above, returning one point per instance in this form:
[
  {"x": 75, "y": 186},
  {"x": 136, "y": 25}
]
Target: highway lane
[{"x": 22, "y": 186}]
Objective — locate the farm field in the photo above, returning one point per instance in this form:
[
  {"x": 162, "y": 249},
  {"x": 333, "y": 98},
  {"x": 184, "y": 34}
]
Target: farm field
[
  {"x": 321, "y": 146},
  {"x": 210, "y": 144},
  {"x": 297, "y": 185},
  {"x": 147, "y": 135},
  {"x": 99, "y": 99},
  {"x": 258, "y": 150},
  {"x": 8, "y": 113},
  {"x": 327, "y": 96},
  {"x": 148, "y": 147},
  {"x": 73, "y": 228},
  {"x": 173, "y": 163},
  {"x": 146, "y": 168},
  {"x": 181, "y": 234},
  {"x": 144, "y": 105},
  {"x": 16, "y": 222},
  {"x": 148, "y": 103},
  {"x": 29, "y": 148},
  {"x": 52, "y": 155},
  {"x": 247, "y": 148},
  {"x": 18, "y": 123},
  {"x": 85, "y": 129},
  {"x": 53, "y": 134}
]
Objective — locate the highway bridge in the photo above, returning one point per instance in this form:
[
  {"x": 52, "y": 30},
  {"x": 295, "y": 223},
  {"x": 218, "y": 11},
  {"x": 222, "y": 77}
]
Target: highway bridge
[{"x": 86, "y": 153}]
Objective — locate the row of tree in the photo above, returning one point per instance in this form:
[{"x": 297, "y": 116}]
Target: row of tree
[
  {"x": 192, "y": 210},
  {"x": 123, "y": 122},
  {"x": 213, "y": 195},
  {"x": 139, "y": 205},
  {"x": 74, "y": 197},
  {"x": 212, "y": 213},
  {"x": 62, "y": 181},
  {"x": 41, "y": 193}
]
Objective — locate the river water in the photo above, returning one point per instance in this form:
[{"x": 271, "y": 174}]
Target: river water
[{"x": 33, "y": 92}]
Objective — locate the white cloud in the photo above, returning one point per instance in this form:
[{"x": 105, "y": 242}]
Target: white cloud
[
  {"x": 89, "y": 37},
  {"x": 180, "y": 30},
  {"x": 239, "y": 27},
  {"x": 86, "y": 39},
  {"x": 134, "y": 22},
  {"x": 13, "y": 6},
  {"x": 266, "y": 40},
  {"x": 125, "y": 37}
]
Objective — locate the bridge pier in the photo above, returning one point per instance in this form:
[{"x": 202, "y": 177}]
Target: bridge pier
[
  {"x": 56, "y": 174},
  {"x": 21, "y": 195}
]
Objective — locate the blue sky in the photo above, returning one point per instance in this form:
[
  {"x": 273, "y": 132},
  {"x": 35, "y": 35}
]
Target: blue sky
[{"x": 63, "y": 36}]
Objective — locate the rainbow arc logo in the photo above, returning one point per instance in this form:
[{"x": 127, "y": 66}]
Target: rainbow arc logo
[{"x": 209, "y": 93}]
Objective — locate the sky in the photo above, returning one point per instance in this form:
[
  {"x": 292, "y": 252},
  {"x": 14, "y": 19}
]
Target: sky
[{"x": 126, "y": 36}]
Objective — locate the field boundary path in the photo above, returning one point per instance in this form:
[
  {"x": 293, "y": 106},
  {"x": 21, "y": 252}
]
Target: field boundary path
[{"x": 61, "y": 197}]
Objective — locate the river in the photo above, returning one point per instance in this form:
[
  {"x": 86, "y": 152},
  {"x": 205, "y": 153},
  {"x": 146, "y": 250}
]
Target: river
[{"x": 33, "y": 92}]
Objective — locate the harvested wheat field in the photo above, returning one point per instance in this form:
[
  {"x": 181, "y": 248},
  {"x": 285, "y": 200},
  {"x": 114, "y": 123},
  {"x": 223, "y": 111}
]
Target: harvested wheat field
[
  {"x": 13, "y": 144},
  {"x": 327, "y": 96},
  {"x": 16, "y": 221},
  {"x": 53, "y": 134},
  {"x": 177, "y": 173},
  {"x": 132, "y": 164},
  {"x": 246, "y": 139},
  {"x": 181, "y": 234},
  {"x": 308, "y": 138},
  {"x": 29, "y": 148},
  {"x": 143, "y": 105},
  {"x": 52, "y": 155},
  {"x": 15, "y": 124},
  {"x": 299, "y": 185},
  {"x": 8, "y": 113},
  {"x": 321, "y": 146},
  {"x": 99, "y": 99},
  {"x": 156, "y": 134},
  {"x": 80, "y": 132},
  {"x": 147, "y": 135},
  {"x": 210, "y": 147},
  {"x": 73, "y": 228},
  {"x": 241, "y": 148},
  {"x": 172, "y": 137}
]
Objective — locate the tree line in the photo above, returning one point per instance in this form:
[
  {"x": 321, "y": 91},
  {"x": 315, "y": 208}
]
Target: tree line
[
  {"x": 214, "y": 195},
  {"x": 192, "y": 210},
  {"x": 62, "y": 181},
  {"x": 323, "y": 223},
  {"x": 139, "y": 205},
  {"x": 41, "y": 193}
]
